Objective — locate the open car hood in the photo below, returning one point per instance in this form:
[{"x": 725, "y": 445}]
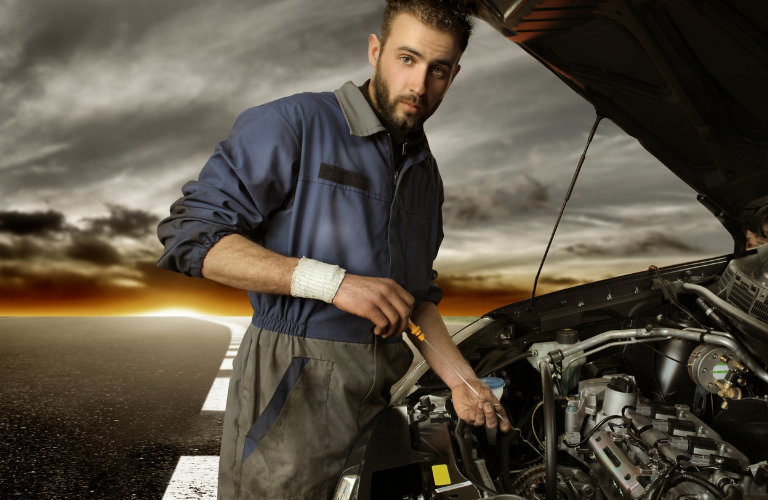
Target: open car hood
[{"x": 687, "y": 78}]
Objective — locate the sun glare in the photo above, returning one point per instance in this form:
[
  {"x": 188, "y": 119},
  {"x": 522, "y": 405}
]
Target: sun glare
[{"x": 187, "y": 313}]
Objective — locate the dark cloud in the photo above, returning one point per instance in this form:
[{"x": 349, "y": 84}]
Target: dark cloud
[
  {"x": 123, "y": 221},
  {"x": 662, "y": 242},
  {"x": 590, "y": 250},
  {"x": 488, "y": 201},
  {"x": 22, "y": 223},
  {"x": 21, "y": 249},
  {"x": 93, "y": 250},
  {"x": 55, "y": 32},
  {"x": 101, "y": 147},
  {"x": 653, "y": 242}
]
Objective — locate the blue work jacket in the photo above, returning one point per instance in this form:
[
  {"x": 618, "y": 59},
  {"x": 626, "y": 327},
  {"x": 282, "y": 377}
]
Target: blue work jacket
[{"x": 312, "y": 175}]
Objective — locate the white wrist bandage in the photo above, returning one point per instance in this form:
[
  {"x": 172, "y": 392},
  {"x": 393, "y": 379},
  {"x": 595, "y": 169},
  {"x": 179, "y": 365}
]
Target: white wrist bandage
[{"x": 315, "y": 280}]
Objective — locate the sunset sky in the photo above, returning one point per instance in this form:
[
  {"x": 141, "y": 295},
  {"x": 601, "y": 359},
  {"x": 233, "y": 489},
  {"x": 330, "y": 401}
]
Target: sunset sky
[{"x": 108, "y": 107}]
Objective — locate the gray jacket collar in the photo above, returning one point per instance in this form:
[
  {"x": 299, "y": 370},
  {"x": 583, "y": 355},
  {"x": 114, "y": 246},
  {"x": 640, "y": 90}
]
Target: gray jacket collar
[{"x": 360, "y": 117}]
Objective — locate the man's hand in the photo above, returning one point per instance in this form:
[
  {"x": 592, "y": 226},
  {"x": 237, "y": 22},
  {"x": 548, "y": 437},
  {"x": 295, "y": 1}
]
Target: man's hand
[
  {"x": 380, "y": 300},
  {"x": 478, "y": 411}
]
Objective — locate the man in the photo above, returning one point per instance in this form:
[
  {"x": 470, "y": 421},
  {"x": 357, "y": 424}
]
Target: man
[{"x": 326, "y": 207}]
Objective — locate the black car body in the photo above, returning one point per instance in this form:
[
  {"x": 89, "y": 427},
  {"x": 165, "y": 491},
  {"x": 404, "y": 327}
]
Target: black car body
[{"x": 669, "y": 397}]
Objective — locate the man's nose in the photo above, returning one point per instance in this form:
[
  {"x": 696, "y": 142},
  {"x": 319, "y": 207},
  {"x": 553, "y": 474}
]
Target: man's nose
[{"x": 418, "y": 83}]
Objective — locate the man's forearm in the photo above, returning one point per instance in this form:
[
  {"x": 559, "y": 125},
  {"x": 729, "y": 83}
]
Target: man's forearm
[
  {"x": 238, "y": 262},
  {"x": 431, "y": 323}
]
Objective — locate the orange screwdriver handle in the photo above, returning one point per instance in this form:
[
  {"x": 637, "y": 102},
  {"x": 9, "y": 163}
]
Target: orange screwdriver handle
[{"x": 416, "y": 331}]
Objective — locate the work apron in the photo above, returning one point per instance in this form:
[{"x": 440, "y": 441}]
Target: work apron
[{"x": 294, "y": 409}]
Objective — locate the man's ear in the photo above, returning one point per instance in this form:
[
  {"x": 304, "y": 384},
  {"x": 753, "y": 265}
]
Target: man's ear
[{"x": 374, "y": 49}]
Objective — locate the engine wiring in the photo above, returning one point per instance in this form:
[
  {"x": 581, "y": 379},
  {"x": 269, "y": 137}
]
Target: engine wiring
[
  {"x": 533, "y": 426},
  {"x": 592, "y": 431},
  {"x": 671, "y": 296}
]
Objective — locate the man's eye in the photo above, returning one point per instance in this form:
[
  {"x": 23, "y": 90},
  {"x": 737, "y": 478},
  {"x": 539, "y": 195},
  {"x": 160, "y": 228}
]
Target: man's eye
[
  {"x": 405, "y": 59},
  {"x": 438, "y": 71}
]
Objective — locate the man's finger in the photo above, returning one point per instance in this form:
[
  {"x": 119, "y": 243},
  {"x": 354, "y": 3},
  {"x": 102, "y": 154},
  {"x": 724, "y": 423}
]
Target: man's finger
[
  {"x": 380, "y": 321},
  {"x": 403, "y": 310},
  {"x": 504, "y": 426},
  {"x": 392, "y": 318},
  {"x": 490, "y": 416},
  {"x": 479, "y": 413},
  {"x": 404, "y": 313}
]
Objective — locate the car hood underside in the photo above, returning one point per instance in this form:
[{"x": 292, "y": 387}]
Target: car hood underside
[{"x": 687, "y": 78}]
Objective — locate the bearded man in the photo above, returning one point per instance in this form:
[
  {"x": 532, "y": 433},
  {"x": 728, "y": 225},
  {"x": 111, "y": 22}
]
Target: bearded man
[{"x": 327, "y": 208}]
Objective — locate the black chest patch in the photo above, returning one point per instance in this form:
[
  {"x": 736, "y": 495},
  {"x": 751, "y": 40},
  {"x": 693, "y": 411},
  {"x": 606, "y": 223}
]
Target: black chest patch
[{"x": 345, "y": 177}]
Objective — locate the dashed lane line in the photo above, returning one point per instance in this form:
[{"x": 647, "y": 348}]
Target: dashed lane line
[
  {"x": 196, "y": 477},
  {"x": 217, "y": 396}
]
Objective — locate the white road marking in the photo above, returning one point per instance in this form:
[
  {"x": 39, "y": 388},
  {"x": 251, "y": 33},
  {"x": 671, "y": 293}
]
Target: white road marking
[
  {"x": 194, "y": 478},
  {"x": 197, "y": 477},
  {"x": 217, "y": 396}
]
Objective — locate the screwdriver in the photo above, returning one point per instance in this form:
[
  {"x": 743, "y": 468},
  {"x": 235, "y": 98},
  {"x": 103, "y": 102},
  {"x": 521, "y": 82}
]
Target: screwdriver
[{"x": 416, "y": 332}]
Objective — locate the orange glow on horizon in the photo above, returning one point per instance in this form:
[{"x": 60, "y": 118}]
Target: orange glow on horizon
[
  {"x": 164, "y": 290},
  {"x": 230, "y": 303}
]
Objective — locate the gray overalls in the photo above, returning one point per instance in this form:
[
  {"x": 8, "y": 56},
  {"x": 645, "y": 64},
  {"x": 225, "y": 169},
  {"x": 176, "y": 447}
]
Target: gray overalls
[{"x": 309, "y": 175}]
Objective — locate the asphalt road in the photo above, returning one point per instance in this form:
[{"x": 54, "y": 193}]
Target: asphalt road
[{"x": 104, "y": 407}]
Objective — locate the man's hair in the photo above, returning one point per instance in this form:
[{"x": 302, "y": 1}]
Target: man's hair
[{"x": 445, "y": 15}]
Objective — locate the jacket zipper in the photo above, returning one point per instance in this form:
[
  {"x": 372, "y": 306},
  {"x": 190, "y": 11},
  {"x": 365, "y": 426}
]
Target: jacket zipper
[{"x": 392, "y": 163}]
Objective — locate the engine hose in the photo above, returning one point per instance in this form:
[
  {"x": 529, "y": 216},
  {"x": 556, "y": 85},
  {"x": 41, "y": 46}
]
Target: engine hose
[
  {"x": 684, "y": 477},
  {"x": 549, "y": 430},
  {"x": 727, "y": 308},
  {"x": 733, "y": 493},
  {"x": 461, "y": 443},
  {"x": 504, "y": 465},
  {"x": 504, "y": 364},
  {"x": 720, "y": 322}
]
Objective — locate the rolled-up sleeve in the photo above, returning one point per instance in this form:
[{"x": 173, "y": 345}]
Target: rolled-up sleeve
[
  {"x": 248, "y": 178},
  {"x": 435, "y": 293}
]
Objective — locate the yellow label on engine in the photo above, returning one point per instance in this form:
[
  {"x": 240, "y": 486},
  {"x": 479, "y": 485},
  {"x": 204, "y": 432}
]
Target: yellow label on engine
[{"x": 440, "y": 473}]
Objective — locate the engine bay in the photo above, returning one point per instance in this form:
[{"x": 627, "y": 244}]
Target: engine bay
[{"x": 667, "y": 398}]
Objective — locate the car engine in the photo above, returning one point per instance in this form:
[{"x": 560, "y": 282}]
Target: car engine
[{"x": 669, "y": 401}]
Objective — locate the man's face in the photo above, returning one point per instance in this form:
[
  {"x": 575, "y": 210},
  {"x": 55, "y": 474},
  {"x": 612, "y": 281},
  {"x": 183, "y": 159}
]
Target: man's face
[{"x": 412, "y": 71}]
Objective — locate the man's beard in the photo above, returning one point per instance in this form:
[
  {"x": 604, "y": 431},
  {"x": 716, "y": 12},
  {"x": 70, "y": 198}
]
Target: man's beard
[{"x": 388, "y": 108}]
